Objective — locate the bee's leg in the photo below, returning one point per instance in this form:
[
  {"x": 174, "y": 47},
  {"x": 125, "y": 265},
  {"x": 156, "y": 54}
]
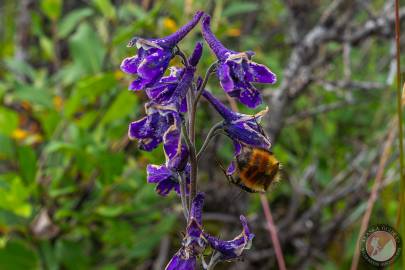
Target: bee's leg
[{"x": 228, "y": 177}]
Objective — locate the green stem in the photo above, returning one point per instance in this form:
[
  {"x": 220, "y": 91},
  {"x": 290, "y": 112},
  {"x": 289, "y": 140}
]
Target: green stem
[
  {"x": 210, "y": 70},
  {"x": 401, "y": 212},
  {"x": 182, "y": 56},
  {"x": 193, "y": 164},
  {"x": 183, "y": 195},
  {"x": 211, "y": 134}
]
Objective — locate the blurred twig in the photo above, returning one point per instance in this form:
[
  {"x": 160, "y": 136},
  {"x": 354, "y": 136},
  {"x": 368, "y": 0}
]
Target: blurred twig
[{"x": 374, "y": 192}]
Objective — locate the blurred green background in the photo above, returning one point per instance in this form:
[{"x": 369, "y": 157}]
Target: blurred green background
[{"x": 73, "y": 192}]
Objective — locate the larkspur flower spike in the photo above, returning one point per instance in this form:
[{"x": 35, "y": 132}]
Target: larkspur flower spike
[
  {"x": 196, "y": 241},
  {"x": 163, "y": 120},
  {"x": 236, "y": 71},
  {"x": 154, "y": 55}
]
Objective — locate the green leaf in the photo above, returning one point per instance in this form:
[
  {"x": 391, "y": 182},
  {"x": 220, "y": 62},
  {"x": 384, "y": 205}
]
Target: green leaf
[
  {"x": 15, "y": 196},
  {"x": 87, "y": 49},
  {"x": 72, "y": 255},
  {"x": 148, "y": 237},
  {"x": 57, "y": 146},
  {"x": 52, "y": 8},
  {"x": 6, "y": 147},
  {"x": 122, "y": 106},
  {"x": 27, "y": 163},
  {"x": 70, "y": 21},
  {"x": 34, "y": 95},
  {"x": 239, "y": 7},
  {"x": 19, "y": 67},
  {"x": 110, "y": 211},
  {"x": 8, "y": 121},
  {"x": 87, "y": 90},
  {"x": 47, "y": 47},
  {"x": 17, "y": 255},
  {"x": 49, "y": 256},
  {"x": 106, "y": 8}
]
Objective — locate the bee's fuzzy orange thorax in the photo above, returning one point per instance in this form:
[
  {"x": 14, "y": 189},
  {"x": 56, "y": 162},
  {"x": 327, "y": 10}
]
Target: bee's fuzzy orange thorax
[{"x": 258, "y": 168}]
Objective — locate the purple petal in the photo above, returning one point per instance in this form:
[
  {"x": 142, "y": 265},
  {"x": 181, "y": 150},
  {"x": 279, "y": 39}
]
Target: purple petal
[
  {"x": 231, "y": 168},
  {"x": 138, "y": 84},
  {"x": 172, "y": 140},
  {"x": 177, "y": 263},
  {"x": 179, "y": 161},
  {"x": 183, "y": 106},
  {"x": 196, "y": 207},
  {"x": 171, "y": 40},
  {"x": 154, "y": 65},
  {"x": 237, "y": 147},
  {"x": 224, "y": 111},
  {"x": 175, "y": 74},
  {"x": 139, "y": 129},
  {"x": 236, "y": 68},
  {"x": 215, "y": 45},
  {"x": 225, "y": 78},
  {"x": 161, "y": 92},
  {"x": 232, "y": 249},
  {"x": 149, "y": 144},
  {"x": 244, "y": 133},
  {"x": 195, "y": 57},
  {"x": 262, "y": 74},
  {"x": 184, "y": 85},
  {"x": 157, "y": 173},
  {"x": 194, "y": 232},
  {"x": 165, "y": 186},
  {"x": 250, "y": 97},
  {"x": 130, "y": 64}
]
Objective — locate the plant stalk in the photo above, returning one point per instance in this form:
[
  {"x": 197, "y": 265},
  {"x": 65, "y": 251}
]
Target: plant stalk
[{"x": 401, "y": 210}]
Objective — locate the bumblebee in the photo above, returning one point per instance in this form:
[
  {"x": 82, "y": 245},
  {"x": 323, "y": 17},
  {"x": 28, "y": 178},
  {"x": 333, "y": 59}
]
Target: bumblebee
[{"x": 256, "y": 169}]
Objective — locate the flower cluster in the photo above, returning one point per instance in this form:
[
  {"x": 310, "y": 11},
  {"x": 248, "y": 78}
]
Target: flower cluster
[
  {"x": 170, "y": 119},
  {"x": 196, "y": 240}
]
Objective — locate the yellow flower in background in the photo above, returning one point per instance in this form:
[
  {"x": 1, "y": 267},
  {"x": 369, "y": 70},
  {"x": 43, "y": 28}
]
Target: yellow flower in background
[
  {"x": 233, "y": 32},
  {"x": 169, "y": 24},
  {"x": 57, "y": 103},
  {"x": 118, "y": 74},
  {"x": 19, "y": 134}
]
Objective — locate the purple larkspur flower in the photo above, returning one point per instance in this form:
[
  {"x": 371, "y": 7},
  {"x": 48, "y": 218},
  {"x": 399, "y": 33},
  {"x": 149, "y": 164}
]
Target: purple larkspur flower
[
  {"x": 196, "y": 240},
  {"x": 154, "y": 55},
  {"x": 236, "y": 71},
  {"x": 161, "y": 124},
  {"x": 174, "y": 87},
  {"x": 163, "y": 120},
  {"x": 165, "y": 179},
  {"x": 241, "y": 128},
  {"x": 151, "y": 129},
  {"x": 193, "y": 243},
  {"x": 232, "y": 249}
]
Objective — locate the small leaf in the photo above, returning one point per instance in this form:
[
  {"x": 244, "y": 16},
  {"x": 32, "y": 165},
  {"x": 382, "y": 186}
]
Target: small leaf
[
  {"x": 70, "y": 21},
  {"x": 106, "y": 8},
  {"x": 8, "y": 121},
  {"x": 239, "y": 7},
  {"x": 52, "y": 8},
  {"x": 17, "y": 255},
  {"x": 122, "y": 106},
  {"x": 27, "y": 163},
  {"x": 87, "y": 49}
]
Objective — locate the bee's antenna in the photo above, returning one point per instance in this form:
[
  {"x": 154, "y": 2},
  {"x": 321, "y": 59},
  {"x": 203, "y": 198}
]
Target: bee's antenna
[
  {"x": 238, "y": 195},
  {"x": 221, "y": 166},
  {"x": 261, "y": 128}
]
